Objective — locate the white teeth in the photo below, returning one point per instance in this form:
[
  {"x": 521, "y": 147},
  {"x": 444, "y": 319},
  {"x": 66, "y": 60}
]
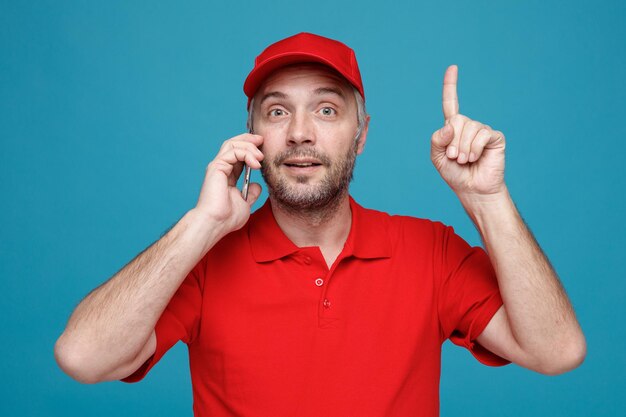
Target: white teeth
[{"x": 306, "y": 164}]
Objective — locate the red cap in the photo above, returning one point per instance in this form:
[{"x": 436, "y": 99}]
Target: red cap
[{"x": 301, "y": 48}]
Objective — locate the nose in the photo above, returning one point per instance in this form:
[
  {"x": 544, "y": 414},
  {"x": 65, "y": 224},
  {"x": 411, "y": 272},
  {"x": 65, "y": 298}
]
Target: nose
[{"x": 301, "y": 130}]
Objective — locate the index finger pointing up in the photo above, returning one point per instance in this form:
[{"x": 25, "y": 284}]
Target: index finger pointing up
[{"x": 450, "y": 99}]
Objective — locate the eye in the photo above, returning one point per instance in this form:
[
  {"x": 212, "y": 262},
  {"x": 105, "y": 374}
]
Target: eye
[
  {"x": 276, "y": 112},
  {"x": 328, "y": 111}
]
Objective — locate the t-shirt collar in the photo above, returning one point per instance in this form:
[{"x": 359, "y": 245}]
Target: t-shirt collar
[{"x": 368, "y": 237}]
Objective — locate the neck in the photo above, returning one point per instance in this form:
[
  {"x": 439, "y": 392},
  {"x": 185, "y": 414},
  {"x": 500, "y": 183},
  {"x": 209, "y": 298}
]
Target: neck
[{"x": 327, "y": 227}]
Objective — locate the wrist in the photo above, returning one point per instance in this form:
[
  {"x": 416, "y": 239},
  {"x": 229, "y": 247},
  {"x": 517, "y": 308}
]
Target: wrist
[
  {"x": 206, "y": 229},
  {"x": 479, "y": 203},
  {"x": 496, "y": 209}
]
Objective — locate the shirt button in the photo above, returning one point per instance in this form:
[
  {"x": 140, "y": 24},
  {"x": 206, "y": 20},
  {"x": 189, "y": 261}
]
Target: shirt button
[
  {"x": 307, "y": 260},
  {"x": 319, "y": 282},
  {"x": 326, "y": 303}
]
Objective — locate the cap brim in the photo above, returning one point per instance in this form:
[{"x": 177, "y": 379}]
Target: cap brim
[{"x": 263, "y": 70}]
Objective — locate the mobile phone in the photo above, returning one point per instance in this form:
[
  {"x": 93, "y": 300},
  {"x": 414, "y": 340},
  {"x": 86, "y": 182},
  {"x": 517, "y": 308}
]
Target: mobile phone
[
  {"x": 246, "y": 178},
  {"x": 246, "y": 181}
]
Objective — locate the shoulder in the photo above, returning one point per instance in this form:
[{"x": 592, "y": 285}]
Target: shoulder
[
  {"x": 231, "y": 246},
  {"x": 401, "y": 227},
  {"x": 401, "y": 221}
]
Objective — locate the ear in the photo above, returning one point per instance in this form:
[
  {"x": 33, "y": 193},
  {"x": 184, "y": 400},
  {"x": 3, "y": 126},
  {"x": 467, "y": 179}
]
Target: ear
[{"x": 363, "y": 138}]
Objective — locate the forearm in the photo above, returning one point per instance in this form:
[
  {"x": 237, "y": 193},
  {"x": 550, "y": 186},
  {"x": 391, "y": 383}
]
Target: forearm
[
  {"x": 540, "y": 314},
  {"x": 112, "y": 324}
]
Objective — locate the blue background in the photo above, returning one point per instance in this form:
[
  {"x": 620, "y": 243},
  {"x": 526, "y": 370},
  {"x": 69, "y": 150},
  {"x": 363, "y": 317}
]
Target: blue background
[{"x": 110, "y": 111}]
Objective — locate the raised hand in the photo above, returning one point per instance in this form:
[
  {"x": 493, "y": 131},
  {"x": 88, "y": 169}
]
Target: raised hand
[
  {"x": 468, "y": 154},
  {"x": 220, "y": 200}
]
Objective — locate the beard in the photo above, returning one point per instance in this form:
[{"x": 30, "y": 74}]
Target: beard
[{"x": 324, "y": 196}]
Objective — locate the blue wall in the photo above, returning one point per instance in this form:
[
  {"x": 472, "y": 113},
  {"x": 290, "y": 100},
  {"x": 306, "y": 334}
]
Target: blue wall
[{"x": 110, "y": 111}]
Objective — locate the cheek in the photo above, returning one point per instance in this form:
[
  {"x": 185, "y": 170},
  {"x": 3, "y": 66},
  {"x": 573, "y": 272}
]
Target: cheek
[
  {"x": 341, "y": 131},
  {"x": 269, "y": 146},
  {"x": 272, "y": 135},
  {"x": 343, "y": 139},
  {"x": 270, "y": 138}
]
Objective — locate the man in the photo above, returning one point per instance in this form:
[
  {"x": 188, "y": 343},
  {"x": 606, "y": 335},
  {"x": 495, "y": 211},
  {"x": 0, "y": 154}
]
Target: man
[{"x": 314, "y": 305}]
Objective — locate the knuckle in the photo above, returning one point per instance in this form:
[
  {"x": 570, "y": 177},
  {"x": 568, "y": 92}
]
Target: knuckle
[
  {"x": 459, "y": 118},
  {"x": 475, "y": 124},
  {"x": 212, "y": 166}
]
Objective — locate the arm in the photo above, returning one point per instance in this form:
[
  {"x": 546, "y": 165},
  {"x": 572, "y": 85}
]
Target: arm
[
  {"x": 111, "y": 332},
  {"x": 536, "y": 328}
]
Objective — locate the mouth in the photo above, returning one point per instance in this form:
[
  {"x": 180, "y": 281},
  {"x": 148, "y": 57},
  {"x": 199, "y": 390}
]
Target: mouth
[{"x": 302, "y": 163}]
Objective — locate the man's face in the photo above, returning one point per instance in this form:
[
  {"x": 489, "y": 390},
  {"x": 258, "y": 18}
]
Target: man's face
[{"x": 307, "y": 116}]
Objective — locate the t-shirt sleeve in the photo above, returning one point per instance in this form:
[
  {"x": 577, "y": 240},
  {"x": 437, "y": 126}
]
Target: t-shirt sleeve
[
  {"x": 179, "y": 321},
  {"x": 468, "y": 296}
]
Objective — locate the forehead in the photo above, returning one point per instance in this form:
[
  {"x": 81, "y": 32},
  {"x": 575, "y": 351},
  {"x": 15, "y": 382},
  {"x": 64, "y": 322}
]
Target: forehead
[{"x": 310, "y": 75}]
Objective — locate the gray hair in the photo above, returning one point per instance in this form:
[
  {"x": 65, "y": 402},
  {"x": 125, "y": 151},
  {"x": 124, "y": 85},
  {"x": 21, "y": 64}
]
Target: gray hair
[{"x": 361, "y": 114}]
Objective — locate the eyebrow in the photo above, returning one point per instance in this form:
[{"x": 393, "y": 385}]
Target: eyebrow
[
  {"x": 271, "y": 94},
  {"x": 329, "y": 90},
  {"x": 318, "y": 92}
]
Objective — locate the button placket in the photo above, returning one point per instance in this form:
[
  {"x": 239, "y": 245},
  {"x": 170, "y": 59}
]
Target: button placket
[
  {"x": 325, "y": 306},
  {"x": 320, "y": 276}
]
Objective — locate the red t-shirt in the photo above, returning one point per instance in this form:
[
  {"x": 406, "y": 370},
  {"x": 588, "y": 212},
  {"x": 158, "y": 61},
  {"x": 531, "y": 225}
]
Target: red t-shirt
[{"x": 271, "y": 331}]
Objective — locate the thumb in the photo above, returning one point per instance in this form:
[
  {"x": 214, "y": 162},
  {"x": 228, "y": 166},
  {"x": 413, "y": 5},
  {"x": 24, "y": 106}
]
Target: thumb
[
  {"x": 254, "y": 191},
  {"x": 442, "y": 138}
]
